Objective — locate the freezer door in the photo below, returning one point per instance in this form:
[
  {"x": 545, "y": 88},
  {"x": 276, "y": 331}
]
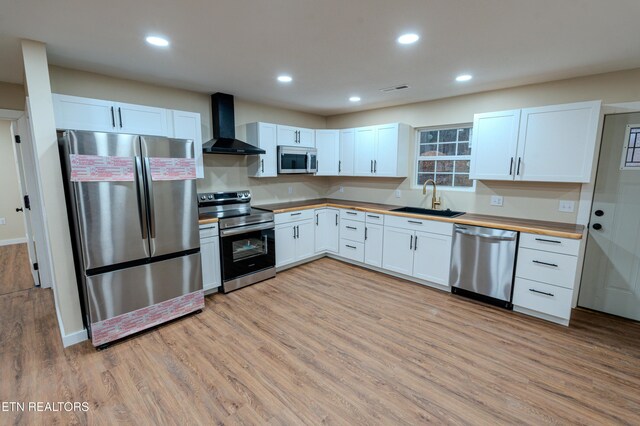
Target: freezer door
[
  {"x": 173, "y": 208},
  {"x": 111, "y": 216},
  {"x": 126, "y": 290}
]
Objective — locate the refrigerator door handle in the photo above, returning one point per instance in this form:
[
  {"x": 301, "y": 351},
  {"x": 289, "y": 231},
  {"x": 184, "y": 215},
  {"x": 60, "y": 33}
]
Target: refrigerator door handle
[
  {"x": 142, "y": 203},
  {"x": 152, "y": 211}
]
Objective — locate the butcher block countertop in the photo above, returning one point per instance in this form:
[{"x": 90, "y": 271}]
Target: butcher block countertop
[
  {"x": 553, "y": 229},
  {"x": 204, "y": 220}
]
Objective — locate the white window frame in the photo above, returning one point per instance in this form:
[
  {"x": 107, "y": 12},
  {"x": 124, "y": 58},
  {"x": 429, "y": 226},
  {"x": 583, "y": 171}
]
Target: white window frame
[
  {"x": 623, "y": 158},
  {"x": 419, "y": 158}
]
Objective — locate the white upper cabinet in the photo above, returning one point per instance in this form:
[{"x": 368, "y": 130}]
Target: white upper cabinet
[
  {"x": 557, "y": 143},
  {"x": 140, "y": 119},
  {"x": 75, "y": 113},
  {"x": 382, "y": 150},
  {"x": 347, "y": 152},
  {"x": 295, "y": 136},
  {"x": 493, "y": 145},
  {"x": 547, "y": 144},
  {"x": 263, "y": 135},
  {"x": 328, "y": 146},
  {"x": 187, "y": 125}
]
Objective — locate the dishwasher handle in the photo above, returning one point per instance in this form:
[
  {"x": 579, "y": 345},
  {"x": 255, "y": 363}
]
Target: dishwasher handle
[{"x": 486, "y": 236}]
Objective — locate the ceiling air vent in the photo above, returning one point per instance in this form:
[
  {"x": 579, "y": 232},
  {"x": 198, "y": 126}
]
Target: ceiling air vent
[{"x": 394, "y": 88}]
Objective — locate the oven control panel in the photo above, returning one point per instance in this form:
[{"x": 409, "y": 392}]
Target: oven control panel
[{"x": 213, "y": 198}]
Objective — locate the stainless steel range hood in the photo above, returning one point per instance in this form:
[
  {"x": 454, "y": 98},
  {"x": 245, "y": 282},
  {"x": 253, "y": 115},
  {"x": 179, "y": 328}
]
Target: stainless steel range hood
[{"x": 224, "y": 130}]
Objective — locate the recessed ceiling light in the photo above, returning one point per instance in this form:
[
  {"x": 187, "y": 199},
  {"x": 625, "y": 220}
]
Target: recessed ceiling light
[
  {"x": 157, "y": 41},
  {"x": 355, "y": 99},
  {"x": 409, "y": 38},
  {"x": 464, "y": 77},
  {"x": 285, "y": 79}
]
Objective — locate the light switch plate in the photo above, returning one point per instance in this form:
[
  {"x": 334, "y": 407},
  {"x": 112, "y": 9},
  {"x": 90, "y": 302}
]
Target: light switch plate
[
  {"x": 3, "y": 221},
  {"x": 290, "y": 190},
  {"x": 341, "y": 189},
  {"x": 398, "y": 193},
  {"x": 567, "y": 206},
  {"x": 497, "y": 200}
]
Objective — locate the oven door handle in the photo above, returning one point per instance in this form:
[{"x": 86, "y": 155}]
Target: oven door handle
[{"x": 246, "y": 229}]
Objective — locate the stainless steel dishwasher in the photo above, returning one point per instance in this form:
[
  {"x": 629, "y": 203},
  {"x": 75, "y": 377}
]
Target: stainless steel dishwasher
[{"x": 483, "y": 262}]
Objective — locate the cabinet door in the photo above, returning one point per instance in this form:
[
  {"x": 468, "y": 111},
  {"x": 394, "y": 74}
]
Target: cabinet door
[
  {"x": 287, "y": 135},
  {"x": 140, "y": 119},
  {"x": 72, "y": 112},
  {"x": 557, "y": 143},
  {"x": 320, "y": 230},
  {"x": 433, "y": 252},
  {"x": 306, "y": 137},
  {"x": 263, "y": 135},
  {"x": 373, "y": 238},
  {"x": 186, "y": 125},
  {"x": 332, "y": 228},
  {"x": 285, "y": 244},
  {"x": 328, "y": 146},
  {"x": 347, "y": 152},
  {"x": 397, "y": 254},
  {"x": 494, "y": 144},
  {"x": 305, "y": 243},
  {"x": 386, "y": 159},
  {"x": 210, "y": 258},
  {"x": 365, "y": 139}
]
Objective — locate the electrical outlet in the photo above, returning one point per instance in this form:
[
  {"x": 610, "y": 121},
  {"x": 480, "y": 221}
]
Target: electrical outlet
[
  {"x": 398, "y": 193},
  {"x": 290, "y": 190},
  {"x": 567, "y": 206},
  {"x": 341, "y": 189},
  {"x": 497, "y": 200},
  {"x": 3, "y": 221}
]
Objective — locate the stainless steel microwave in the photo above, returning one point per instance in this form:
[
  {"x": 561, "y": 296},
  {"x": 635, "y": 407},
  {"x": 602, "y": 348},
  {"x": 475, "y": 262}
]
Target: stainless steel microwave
[{"x": 297, "y": 159}]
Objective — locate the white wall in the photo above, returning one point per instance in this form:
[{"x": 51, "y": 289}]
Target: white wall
[
  {"x": 10, "y": 194},
  {"x": 11, "y": 96}
]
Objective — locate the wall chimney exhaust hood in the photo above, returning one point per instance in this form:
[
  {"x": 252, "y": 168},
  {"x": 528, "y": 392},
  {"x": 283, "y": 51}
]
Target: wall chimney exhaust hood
[{"x": 224, "y": 130}]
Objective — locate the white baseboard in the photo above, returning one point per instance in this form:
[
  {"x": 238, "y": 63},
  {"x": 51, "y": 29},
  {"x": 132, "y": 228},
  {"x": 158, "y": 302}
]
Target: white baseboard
[
  {"x": 73, "y": 338},
  {"x": 13, "y": 241}
]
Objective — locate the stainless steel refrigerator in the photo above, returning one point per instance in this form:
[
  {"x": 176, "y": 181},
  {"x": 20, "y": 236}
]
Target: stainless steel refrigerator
[{"x": 133, "y": 215}]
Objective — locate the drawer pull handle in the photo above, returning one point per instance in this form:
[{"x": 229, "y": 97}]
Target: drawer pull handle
[
  {"x": 352, "y": 213},
  {"x": 296, "y": 214},
  {"x": 351, "y": 227},
  {"x": 545, "y": 263},
  {"x": 208, "y": 227},
  {"x": 544, "y": 240},
  {"x": 351, "y": 247},
  {"x": 373, "y": 216},
  {"x": 541, "y": 292},
  {"x": 415, "y": 221}
]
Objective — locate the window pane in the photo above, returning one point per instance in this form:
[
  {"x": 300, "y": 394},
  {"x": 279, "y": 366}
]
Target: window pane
[
  {"x": 428, "y": 150},
  {"x": 463, "y": 180},
  {"x": 464, "y": 148},
  {"x": 463, "y": 134},
  {"x": 423, "y": 177},
  {"x": 632, "y": 139},
  {"x": 462, "y": 166},
  {"x": 444, "y": 180},
  {"x": 444, "y": 166},
  {"x": 447, "y": 149},
  {"x": 449, "y": 135},
  {"x": 429, "y": 137},
  {"x": 426, "y": 166}
]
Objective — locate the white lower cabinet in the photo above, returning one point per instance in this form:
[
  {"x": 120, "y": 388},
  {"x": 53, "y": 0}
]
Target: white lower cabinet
[
  {"x": 545, "y": 298},
  {"x": 327, "y": 230},
  {"x": 352, "y": 250},
  {"x": 295, "y": 239},
  {"x": 210, "y": 257},
  {"x": 373, "y": 239},
  {"x": 398, "y": 250}
]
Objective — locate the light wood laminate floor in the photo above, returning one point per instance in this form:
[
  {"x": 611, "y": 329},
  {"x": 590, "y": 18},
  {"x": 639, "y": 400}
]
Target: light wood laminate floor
[{"x": 329, "y": 343}]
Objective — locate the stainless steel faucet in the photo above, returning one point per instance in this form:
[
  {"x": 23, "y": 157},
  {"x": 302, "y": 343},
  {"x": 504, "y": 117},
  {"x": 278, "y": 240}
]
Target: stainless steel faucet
[{"x": 435, "y": 202}]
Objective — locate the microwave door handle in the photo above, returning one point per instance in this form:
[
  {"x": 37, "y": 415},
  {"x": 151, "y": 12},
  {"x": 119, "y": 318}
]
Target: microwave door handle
[{"x": 308, "y": 162}]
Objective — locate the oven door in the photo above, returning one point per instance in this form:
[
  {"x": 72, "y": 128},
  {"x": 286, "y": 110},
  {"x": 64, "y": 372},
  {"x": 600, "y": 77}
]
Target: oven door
[{"x": 247, "y": 249}]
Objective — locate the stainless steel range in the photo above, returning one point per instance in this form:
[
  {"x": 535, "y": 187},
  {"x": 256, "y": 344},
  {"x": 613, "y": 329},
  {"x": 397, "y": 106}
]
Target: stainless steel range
[{"x": 247, "y": 238}]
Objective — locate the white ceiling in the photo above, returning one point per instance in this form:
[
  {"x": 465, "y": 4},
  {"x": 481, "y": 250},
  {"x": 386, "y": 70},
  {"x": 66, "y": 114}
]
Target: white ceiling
[{"x": 332, "y": 48}]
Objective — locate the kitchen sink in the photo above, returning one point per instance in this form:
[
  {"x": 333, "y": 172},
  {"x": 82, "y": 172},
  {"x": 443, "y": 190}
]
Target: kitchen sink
[{"x": 428, "y": 212}]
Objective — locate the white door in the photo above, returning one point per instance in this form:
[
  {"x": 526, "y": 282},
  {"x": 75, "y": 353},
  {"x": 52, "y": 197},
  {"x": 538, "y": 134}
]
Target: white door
[
  {"x": 433, "y": 254},
  {"x": 611, "y": 275},
  {"x": 73, "y": 112},
  {"x": 328, "y": 146},
  {"x": 285, "y": 244},
  {"x": 186, "y": 125},
  {"x": 347, "y": 152},
  {"x": 287, "y": 135},
  {"x": 305, "y": 243},
  {"x": 320, "y": 230},
  {"x": 333, "y": 230},
  {"x": 386, "y": 159},
  {"x": 373, "y": 239},
  {"x": 140, "y": 119},
  {"x": 306, "y": 138},
  {"x": 365, "y": 142},
  {"x": 556, "y": 143},
  {"x": 397, "y": 255},
  {"x": 494, "y": 145}
]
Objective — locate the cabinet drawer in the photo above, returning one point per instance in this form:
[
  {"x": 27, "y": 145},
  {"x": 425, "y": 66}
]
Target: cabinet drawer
[
  {"x": 546, "y": 267},
  {"x": 294, "y": 216},
  {"x": 352, "y": 250},
  {"x": 541, "y": 297},
  {"x": 209, "y": 230},
  {"x": 374, "y": 218},
  {"x": 352, "y": 230},
  {"x": 352, "y": 215},
  {"x": 553, "y": 244},
  {"x": 433, "y": 226}
]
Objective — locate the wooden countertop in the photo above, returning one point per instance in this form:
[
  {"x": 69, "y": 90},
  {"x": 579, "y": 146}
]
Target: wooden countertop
[
  {"x": 204, "y": 220},
  {"x": 554, "y": 229}
]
